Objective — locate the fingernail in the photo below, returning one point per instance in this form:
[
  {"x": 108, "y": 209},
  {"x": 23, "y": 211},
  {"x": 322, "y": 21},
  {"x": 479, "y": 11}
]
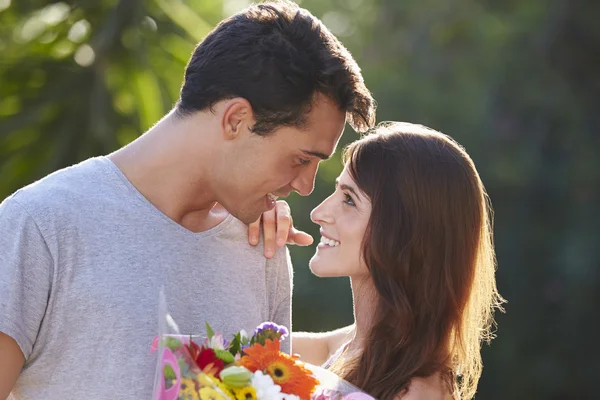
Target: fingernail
[
  {"x": 253, "y": 239},
  {"x": 280, "y": 242},
  {"x": 269, "y": 252}
]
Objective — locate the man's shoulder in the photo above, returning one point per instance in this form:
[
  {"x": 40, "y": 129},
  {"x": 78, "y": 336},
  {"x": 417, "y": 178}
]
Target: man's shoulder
[
  {"x": 236, "y": 233},
  {"x": 59, "y": 193}
]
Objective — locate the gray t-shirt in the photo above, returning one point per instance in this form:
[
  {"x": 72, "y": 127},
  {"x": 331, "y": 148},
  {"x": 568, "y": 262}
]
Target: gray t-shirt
[{"x": 83, "y": 256}]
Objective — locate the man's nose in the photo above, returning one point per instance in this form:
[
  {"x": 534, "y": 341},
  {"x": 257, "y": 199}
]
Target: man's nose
[{"x": 304, "y": 183}]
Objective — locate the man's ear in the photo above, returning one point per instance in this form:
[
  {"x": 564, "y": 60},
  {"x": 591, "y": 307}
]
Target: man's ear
[{"x": 237, "y": 118}]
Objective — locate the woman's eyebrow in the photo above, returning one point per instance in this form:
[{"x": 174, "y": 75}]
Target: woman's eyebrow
[{"x": 343, "y": 186}]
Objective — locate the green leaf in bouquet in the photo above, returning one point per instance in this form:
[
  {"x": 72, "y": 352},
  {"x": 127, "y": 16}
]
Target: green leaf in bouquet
[
  {"x": 245, "y": 340},
  {"x": 172, "y": 343},
  {"x": 209, "y": 331},
  {"x": 236, "y": 344},
  {"x": 225, "y": 355},
  {"x": 169, "y": 372}
]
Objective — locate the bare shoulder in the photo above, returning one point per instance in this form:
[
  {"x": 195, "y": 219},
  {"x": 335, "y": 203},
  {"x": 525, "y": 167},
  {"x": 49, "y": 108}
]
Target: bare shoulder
[
  {"x": 430, "y": 388},
  {"x": 11, "y": 364},
  {"x": 316, "y": 348},
  {"x": 338, "y": 338}
]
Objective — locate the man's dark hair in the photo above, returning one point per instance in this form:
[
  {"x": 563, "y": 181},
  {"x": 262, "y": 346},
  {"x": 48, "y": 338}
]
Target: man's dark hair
[{"x": 277, "y": 56}]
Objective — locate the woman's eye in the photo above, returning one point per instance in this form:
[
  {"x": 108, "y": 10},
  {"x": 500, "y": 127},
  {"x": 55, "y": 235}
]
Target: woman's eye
[
  {"x": 348, "y": 200},
  {"x": 304, "y": 161}
]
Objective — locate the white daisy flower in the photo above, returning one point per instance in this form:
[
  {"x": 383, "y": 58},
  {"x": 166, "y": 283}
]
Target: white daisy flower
[{"x": 266, "y": 389}]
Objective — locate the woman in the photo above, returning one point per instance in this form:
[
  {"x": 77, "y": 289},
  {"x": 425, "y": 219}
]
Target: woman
[{"x": 410, "y": 224}]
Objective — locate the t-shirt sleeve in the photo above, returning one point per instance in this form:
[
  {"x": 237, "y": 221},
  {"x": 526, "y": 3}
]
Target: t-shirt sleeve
[
  {"x": 280, "y": 267},
  {"x": 25, "y": 275}
]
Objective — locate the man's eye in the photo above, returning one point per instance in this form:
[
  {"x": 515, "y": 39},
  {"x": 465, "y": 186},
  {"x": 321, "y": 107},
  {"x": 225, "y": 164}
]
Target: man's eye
[
  {"x": 304, "y": 161},
  {"x": 348, "y": 200}
]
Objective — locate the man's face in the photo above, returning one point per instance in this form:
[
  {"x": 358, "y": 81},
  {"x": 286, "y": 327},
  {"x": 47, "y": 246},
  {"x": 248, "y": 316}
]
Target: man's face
[{"x": 286, "y": 160}]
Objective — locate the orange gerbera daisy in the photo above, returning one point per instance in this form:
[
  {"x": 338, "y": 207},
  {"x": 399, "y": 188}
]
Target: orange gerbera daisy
[{"x": 283, "y": 369}]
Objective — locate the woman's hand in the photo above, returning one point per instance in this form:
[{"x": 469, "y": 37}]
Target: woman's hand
[{"x": 278, "y": 229}]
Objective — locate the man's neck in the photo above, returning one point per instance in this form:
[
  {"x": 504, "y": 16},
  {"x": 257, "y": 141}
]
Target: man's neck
[{"x": 165, "y": 168}]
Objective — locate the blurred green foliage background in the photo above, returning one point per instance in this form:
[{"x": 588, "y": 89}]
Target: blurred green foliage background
[{"x": 516, "y": 82}]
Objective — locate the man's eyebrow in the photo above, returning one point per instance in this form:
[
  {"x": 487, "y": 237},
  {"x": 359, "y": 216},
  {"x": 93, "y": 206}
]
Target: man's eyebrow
[
  {"x": 346, "y": 187},
  {"x": 316, "y": 154}
]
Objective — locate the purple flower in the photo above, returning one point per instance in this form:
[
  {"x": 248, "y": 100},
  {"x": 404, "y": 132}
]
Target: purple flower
[
  {"x": 269, "y": 330},
  {"x": 268, "y": 327}
]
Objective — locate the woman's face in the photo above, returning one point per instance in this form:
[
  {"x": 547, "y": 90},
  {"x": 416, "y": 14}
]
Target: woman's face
[{"x": 343, "y": 218}]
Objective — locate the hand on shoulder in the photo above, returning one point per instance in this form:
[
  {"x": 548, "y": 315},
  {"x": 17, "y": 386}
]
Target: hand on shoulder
[{"x": 278, "y": 229}]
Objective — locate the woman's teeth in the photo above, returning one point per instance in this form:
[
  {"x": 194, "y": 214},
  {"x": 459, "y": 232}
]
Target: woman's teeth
[
  {"x": 272, "y": 197},
  {"x": 329, "y": 242}
]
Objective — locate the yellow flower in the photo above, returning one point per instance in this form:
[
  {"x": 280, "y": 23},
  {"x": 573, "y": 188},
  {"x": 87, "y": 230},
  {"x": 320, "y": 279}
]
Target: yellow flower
[
  {"x": 210, "y": 382},
  {"x": 188, "y": 389},
  {"x": 226, "y": 390},
  {"x": 206, "y": 380},
  {"x": 208, "y": 393},
  {"x": 280, "y": 371},
  {"x": 247, "y": 393}
]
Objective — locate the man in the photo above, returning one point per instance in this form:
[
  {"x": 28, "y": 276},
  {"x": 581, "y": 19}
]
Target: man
[{"x": 84, "y": 251}]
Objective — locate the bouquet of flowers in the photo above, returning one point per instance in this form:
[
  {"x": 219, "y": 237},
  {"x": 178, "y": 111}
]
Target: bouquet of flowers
[{"x": 243, "y": 368}]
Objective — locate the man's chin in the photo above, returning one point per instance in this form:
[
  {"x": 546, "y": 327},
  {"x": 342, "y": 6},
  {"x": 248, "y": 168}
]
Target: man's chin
[{"x": 247, "y": 218}]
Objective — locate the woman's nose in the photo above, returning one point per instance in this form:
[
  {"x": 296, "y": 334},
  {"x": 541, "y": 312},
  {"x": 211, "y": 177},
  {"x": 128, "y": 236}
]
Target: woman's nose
[{"x": 322, "y": 213}]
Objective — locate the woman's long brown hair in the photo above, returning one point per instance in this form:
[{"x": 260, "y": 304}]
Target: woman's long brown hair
[{"x": 429, "y": 249}]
